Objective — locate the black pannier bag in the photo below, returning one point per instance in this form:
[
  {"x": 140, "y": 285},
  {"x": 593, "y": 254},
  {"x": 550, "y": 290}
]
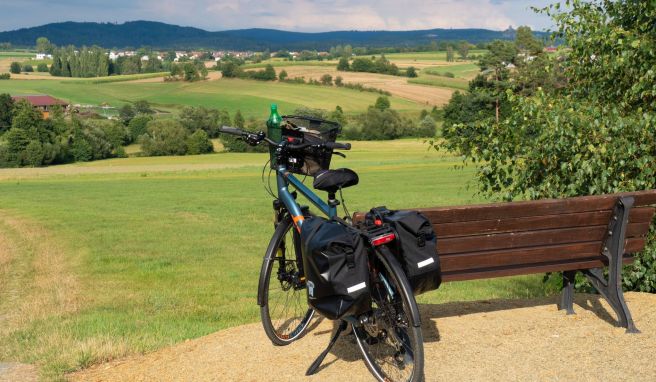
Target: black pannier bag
[
  {"x": 415, "y": 247},
  {"x": 336, "y": 268}
]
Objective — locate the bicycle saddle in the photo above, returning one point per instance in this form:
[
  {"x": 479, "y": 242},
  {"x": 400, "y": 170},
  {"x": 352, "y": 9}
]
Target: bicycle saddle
[{"x": 332, "y": 180}]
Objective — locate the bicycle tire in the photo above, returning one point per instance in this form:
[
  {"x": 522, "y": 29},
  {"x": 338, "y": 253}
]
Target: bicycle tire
[
  {"x": 405, "y": 339},
  {"x": 281, "y": 325}
]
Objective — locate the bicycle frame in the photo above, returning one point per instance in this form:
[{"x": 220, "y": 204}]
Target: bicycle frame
[{"x": 284, "y": 178}]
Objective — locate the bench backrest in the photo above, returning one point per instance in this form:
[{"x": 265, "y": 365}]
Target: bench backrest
[{"x": 515, "y": 238}]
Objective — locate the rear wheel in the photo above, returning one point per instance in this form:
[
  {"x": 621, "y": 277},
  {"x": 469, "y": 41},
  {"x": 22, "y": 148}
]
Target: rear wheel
[
  {"x": 390, "y": 341},
  {"x": 284, "y": 309}
]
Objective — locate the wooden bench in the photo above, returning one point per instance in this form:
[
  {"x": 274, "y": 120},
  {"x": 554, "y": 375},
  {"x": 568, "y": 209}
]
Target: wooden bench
[{"x": 582, "y": 234}]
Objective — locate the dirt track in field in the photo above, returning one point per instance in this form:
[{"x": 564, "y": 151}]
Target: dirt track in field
[
  {"x": 498, "y": 340},
  {"x": 398, "y": 86}
]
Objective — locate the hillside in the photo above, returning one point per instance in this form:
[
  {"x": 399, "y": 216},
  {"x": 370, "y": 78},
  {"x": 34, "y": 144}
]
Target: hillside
[{"x": 165, "y": 36}]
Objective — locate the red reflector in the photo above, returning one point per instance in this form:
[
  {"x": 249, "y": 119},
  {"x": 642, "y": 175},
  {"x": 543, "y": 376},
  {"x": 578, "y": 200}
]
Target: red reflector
[
  {"x": 378, "y": 222},
  {"x": 382, "y": 239},
  {"x": 290, "y": 139}
]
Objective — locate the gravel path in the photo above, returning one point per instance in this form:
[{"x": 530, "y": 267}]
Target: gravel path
[{"x": 498, "y": 340}]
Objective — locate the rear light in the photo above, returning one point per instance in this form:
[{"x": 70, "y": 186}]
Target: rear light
[
  {"x": 382, "y": 239},
  {"x": 378, "y": 222}
]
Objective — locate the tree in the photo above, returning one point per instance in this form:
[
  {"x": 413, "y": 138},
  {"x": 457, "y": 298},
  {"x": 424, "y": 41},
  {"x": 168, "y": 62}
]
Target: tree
[
  {"x": 126, "y": 113},
  {"x": 382, "y": 103},
  {"x": 199, "y": 143},
  {"x": 327, "y": 80},
  {"x": 282, "y": 75},
  {"x": 138, "y": 126},
  {"x": 27, "y": 68},
  {"x": 449, "y": 54},
  {"x": 343, "y": 64},
  {"x": 43, "y": 45},
  {"x": 572, "y": 139},
  {"x": 42, "y": 67},
  {"x": 230, "y": 69},
  {"x": 15, "y": 68},
  {"x": 164, "y": 137},
  {"x": 269, "y": 73},
  {"x": 200, "y": 118},
  {"x": 143, "y": 107},
  {"x": 463, "y": 49},
  {"x": 526, "y": 42},
  {"x": 339, "y": 81},
  {"x": 426, "y": 127},
  {"x": 239, "y": 120},
  {"x": 411, "y": 72},
  {"x": 6, "y": 112}
]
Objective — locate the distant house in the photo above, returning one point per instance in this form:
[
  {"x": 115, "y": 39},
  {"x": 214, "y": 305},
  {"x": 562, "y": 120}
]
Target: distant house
[
  {"x": 43, "y": 56},
  {"x": 42, "y": 102}
]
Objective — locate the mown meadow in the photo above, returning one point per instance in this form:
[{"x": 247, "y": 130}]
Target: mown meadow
[{"x": 122, "y": 256}]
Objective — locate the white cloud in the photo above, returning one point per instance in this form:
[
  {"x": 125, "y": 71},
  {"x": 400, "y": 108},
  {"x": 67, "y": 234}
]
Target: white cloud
[{"x": 298, "y": 15}]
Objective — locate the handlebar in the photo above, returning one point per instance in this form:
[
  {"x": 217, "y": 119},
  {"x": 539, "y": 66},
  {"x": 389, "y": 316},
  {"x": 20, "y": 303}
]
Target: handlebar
[{"x": 255, "y": 139}]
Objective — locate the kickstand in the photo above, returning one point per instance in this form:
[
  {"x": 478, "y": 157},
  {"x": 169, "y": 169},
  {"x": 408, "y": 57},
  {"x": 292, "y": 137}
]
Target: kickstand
[{"x": 317, "y": 362}]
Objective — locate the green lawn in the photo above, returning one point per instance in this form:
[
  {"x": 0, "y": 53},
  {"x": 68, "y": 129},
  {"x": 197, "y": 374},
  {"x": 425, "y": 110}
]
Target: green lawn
[
  {"x": 148, "y": 252},
  {"x": 251, "y": 97}
]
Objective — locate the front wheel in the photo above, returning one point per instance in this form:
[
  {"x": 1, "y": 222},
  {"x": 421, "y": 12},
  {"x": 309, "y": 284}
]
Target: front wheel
[
  {"x": 390, "y": 336},
  {"x": 282, "y": 297}
]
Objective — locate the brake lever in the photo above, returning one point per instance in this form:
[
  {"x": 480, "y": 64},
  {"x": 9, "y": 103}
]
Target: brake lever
[{"x": 340, "y": 154}]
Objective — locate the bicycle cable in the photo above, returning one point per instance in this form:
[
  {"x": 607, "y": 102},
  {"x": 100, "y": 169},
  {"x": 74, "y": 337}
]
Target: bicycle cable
[
  {"x": 267, "y": 184},
  {"x": 346, "y": 211}
]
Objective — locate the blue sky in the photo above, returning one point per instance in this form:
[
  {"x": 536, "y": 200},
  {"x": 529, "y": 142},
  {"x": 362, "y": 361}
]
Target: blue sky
[{"x": 295, "y": 15}]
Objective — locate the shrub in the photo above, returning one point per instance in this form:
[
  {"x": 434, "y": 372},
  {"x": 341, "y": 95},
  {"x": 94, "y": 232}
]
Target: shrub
[
  {"x": 15, "y": 68},
  {"x": 338, "y": 81},
  {"x": 426, "y": 128},
  {"x": 411, "y": 72},
  {"x": 33, "y": 154},
  {"x": 327, "y": 80},
  {"x": 282, "y": 75},
  {"x": 42, "y": 67},
  {"x": 199, "y": 143},
  {"x": 164, "y": 137},
  {"x": 28, "y": 68},
  {"x": 5, "y": 76},
  {"x": 137, "y": 126}
]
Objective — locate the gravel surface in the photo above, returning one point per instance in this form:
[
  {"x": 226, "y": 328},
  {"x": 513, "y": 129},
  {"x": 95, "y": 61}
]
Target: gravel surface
[{"x": 497, "y": 340}]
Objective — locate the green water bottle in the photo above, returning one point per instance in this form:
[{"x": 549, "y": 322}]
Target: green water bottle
[{"x": 273, "y": 129}]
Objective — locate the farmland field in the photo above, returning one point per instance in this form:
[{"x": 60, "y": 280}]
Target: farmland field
[
  {"x": 125, "y": 256},
  {"x": 251, "y": 97}
]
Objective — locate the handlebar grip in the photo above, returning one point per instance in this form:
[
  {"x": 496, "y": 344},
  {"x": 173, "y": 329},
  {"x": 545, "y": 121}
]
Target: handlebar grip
[
  {"x": 338, "y": 145},
  {"x": 231, "y": 130}
]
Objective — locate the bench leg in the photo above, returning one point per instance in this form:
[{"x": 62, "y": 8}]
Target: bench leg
[
  {"x": 611, "y": 287},
  {"x": 567, "y": 293}
]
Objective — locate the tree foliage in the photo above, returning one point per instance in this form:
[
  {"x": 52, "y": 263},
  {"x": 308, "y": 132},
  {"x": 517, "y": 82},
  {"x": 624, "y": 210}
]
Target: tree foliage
[{"x": 589, "y": 128}]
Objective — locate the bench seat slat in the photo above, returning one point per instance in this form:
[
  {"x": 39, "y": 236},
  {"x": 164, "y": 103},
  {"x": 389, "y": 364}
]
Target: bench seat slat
[
  {"x": 527, "y": 256},
  {"x": 502, "y": 225},
  {"x": 531, "y": 238},
  {"x": 597, "y": 262},
  {"x": 534, "y": 207}
]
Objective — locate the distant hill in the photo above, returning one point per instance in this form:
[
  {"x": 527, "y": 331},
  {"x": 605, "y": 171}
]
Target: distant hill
[{"x": 167, "y": 36}]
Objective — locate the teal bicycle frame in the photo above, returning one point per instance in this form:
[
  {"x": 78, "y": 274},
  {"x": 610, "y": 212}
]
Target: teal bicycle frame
[{"x": 284, "y": 178}]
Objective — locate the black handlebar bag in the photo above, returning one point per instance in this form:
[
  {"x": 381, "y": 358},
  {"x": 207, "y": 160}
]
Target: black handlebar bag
[
  {"x": 336, "y": 268},
  {"x": 415, "y": 247}
]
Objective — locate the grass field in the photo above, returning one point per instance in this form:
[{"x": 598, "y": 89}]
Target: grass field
[
  {"x": 251, "y": 97},
  {"x": 116, "y": 257}
]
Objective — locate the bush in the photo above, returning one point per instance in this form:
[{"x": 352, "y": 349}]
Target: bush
[
  {"x": 377, "y": 124},
  {"x": 5, "y": 76},
  {"x": 28, "y": 68},
  {"x": 338, "y": 81},
  {"x": 426, "y": 128},
  {"x": 327, "y": 80},
  {"x": 282, "y": 75},
  {"x": 33, "y": 154},
  {"x": 137, "y": 126},
  {"x": 42, "y": 67},
  {"x": 15, "y": 68},
  {"x": 164, "y": 137},
  {"x": 411, "y": 72},
  {"x": 199, "y": 143}
]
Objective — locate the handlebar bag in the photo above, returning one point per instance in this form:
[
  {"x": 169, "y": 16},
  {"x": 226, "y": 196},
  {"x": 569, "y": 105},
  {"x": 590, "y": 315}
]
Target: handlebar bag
[
  {"x": 336, "y": 268},
  {"x": 415, "y": 247}
]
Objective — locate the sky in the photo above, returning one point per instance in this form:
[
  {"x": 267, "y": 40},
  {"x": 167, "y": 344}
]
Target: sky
[{"x": 292, "y": 15}]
